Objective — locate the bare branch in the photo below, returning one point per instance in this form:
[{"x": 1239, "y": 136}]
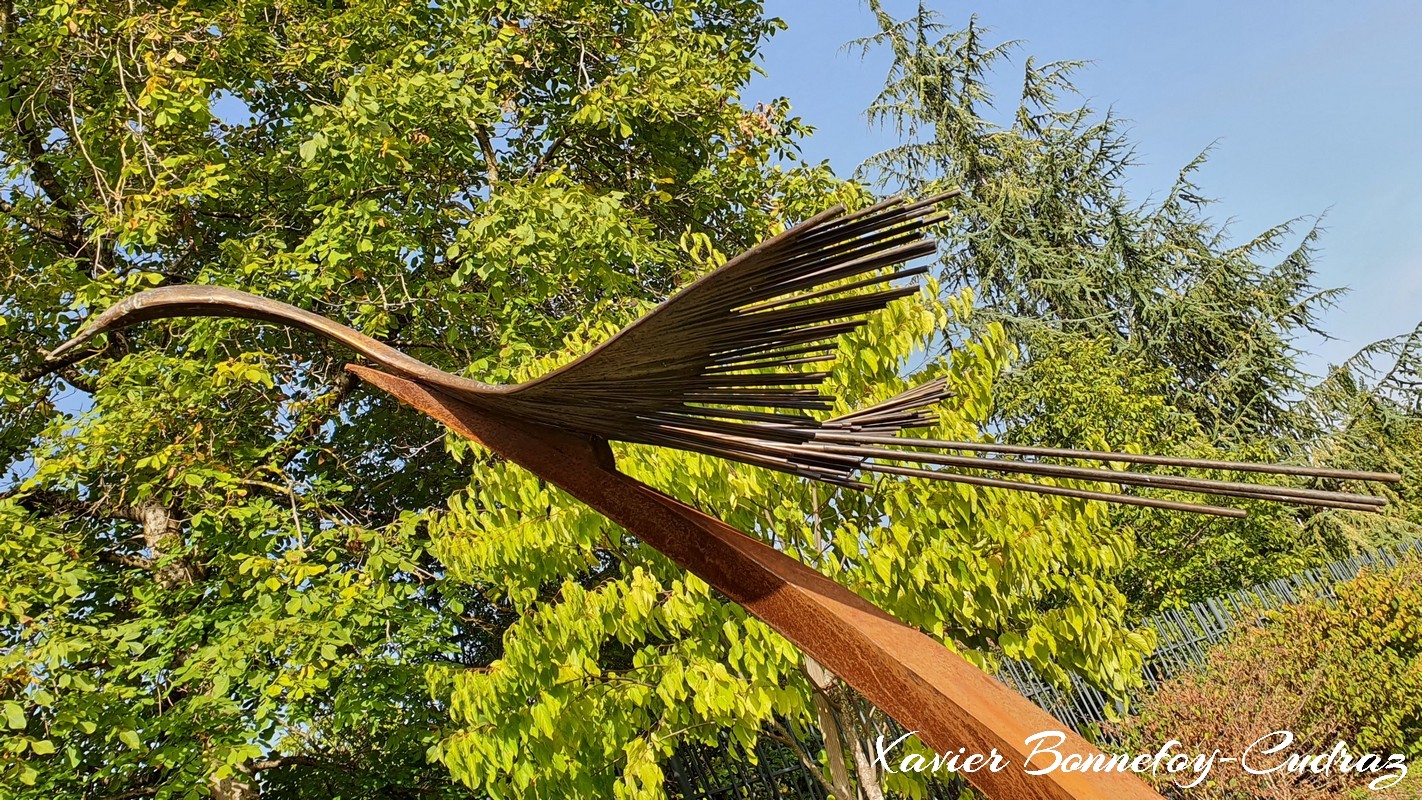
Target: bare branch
[
  {"x": 126, "y": 560},
  {"x": 491, "y": 158},
  {"x": 553, "y": 147},
  {"x": 319, "y": 412}
]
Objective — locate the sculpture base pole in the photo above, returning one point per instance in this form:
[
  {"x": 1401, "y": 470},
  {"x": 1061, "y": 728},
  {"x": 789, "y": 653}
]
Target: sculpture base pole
[{"x": 914, "y": 679}]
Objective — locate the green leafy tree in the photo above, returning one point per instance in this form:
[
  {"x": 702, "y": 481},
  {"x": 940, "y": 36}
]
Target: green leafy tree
[
  {"x": 215, "y": 579},
  {"x": 1134, "y": 322},
  {"x": 1091, "y": 397},
  {"x": 1368, "y": 411},
  {"x": 1058, "y": 252}
]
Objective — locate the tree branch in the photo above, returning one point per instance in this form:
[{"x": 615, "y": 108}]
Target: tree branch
[
  {"x": 126, "y": 560},
  {"x": 491, "y": 158},
  {"x": 161, "y": 532},
  {"x": 58, "y": 237},
  {"x": 47, "y": 179},
  {"x": 78, "y": 380},
  {"x": 279, "y": 762},
  {"x": 779, "y": 733},
  {"x": 320, "y": 411},
  {"x": 553, "y": 147},
  {"x": 132, "y": 794},
  {"x": 36, "y": 500},
  {"x": 45, "y": 176},
  {"x": 60, "y": 365}
]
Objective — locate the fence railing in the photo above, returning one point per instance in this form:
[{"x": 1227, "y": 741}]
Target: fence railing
[
  {"x": 1184, "y": 637},
  {"x": 1183, "y": 640},
  {"x": 698, "y": 772}
]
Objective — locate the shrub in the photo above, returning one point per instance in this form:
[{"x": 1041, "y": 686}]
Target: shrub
[{"x": 1348, "y": 670}]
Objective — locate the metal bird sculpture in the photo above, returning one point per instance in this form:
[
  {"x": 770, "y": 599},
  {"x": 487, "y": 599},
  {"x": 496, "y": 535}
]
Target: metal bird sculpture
[{"x": 720, "y": 368}]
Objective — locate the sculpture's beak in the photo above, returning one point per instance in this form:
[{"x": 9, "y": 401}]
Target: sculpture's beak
[
  {"x": 119, "y": 315},
  {"x": 69, "y": 351},
  {"x": 73, "y": 350},
  {"x": 57, "y": 354}
]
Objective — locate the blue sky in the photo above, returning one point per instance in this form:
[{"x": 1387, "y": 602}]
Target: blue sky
[{"x": 1312, "y": 107}]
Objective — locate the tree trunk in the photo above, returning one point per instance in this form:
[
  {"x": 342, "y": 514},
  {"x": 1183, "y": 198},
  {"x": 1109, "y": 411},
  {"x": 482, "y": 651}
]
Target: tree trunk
[
  {"x": 237, "y": 787},
  {"x": 161, "y": 533},
  {"x": 824, "y": 684}
]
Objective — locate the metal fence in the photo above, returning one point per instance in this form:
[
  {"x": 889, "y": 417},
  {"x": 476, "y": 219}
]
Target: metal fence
[
  {"x": 1183, "y": 639},
  {"x": 698, "y": 772}
]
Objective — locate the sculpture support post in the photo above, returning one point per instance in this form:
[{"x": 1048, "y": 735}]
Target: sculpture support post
[{"x": 921, "y": 684}]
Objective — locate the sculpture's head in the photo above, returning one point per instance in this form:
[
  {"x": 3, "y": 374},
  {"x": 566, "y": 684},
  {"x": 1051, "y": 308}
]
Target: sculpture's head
[
  {"x": 218, "y": 301},
  {"x": 184, "y": 301}
]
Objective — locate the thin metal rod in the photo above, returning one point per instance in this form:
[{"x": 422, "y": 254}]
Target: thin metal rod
[
  {"x": 1061, "y": 491},
  {"x": 1129, "y": 458},
  {"x": 1197, "y": 485}
]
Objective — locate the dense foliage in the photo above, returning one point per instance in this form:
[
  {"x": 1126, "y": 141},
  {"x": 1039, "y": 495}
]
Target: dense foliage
[
  {"x": 228, "y": 570},
  {"x": 602, "y": 680},
  {"x": 1327, "y": 671},
  {"x": 214, "y": 575},
  {"x": 1134, "y": 321}
]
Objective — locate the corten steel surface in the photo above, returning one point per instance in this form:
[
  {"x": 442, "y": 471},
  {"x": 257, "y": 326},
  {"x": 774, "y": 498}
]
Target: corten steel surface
[{"x": 913, "y": 678}]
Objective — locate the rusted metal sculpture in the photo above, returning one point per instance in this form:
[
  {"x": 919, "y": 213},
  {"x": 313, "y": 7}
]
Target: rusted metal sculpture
[{"x": 719, "y": 368}]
